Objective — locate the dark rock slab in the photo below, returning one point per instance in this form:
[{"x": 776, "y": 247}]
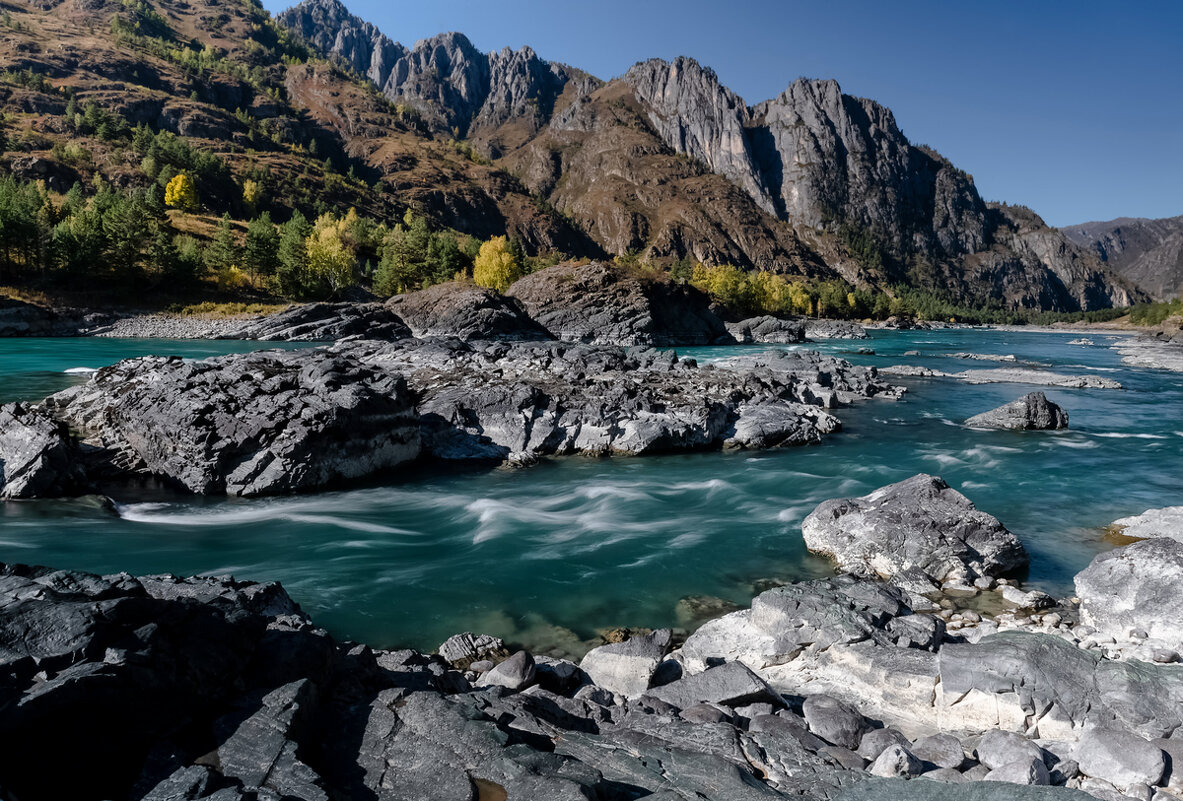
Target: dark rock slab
[
  {"x": 603, "y": 304},
  {"x": 467, "y": 312},
  {"x": 250, "y": 424},
  {"x": 326, "y": 322},
  {"x": 37, "y": 457}
]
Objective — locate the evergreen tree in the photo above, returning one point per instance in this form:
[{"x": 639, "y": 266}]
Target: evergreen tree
[
  {"x": 261, "y": 251},
  {"x": 293, "y": 256},
  {"x": 222, "y": 252}
]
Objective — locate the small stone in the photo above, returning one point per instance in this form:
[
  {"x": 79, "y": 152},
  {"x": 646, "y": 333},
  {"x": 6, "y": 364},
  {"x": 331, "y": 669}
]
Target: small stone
[
  {"x": 842, "y": 756},
  {"x": 945, "y": 775},
  {"x": 895, "y": 762},
  {"x": 704, "y": 713},
  {"x": 1164, "y": 656}
]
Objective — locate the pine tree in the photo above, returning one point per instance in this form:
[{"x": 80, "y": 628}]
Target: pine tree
[
  {"x": 261, "y": 252},
  {"x": 293, "y": 256},
  {"x": 222, "y": 252}
]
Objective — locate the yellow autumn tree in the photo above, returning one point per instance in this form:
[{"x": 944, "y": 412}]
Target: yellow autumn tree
[
  {"x": 181, "y": 192},
  {"x": 252, "y": 194},
  {"x": 330, "y": 261},
  {"x": 495, "y": 266}
]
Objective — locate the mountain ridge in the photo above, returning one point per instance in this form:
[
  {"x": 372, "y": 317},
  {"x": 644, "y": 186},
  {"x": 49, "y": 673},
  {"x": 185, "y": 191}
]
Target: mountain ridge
[
  {"x": 1147, "y": 251},
  {"x": 833, "y": 186}
]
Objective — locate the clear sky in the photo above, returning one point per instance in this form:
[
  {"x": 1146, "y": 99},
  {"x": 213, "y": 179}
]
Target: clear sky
[{"x": 1072, "y": 108}]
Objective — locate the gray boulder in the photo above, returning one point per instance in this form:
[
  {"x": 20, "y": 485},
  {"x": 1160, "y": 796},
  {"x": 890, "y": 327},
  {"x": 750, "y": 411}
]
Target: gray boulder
[
  {"x": 895, "y": 762},
  {"x": 462, "y": 650},
  {"x": 1032, "y": 412},
  {"x": 603, "y": 304},
  {"x": 1021, "y": 771},
  {"x": 834, "y": 721},
  {"x": 515, "y": 673},
  {"x": 467, "y": 312},
  {"x": 731, "y": 684},
  {"x": 1120, "y": 758},
  {"x": 251, "y": 424},
  {"x": 1135, "y": 587},
  {"x": 37, "y": 457},
  {"x": 768, "y": 330},
  {"x": 876, "y": 741},
  {"x": 627, "y": 667},
  {"x": 834, "y": 329},
  {"x": 920, "y": 522},
  {"x": 942, "y": 750}
]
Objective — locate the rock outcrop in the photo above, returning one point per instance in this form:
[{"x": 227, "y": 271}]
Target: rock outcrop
[
  {"x": 599, "y": 304},
  {"x": 254, "y": 424},
  {"x": 834, "y": 329},
  {"x": 1032, "y": 412},
  {"x": 21, "y": 319},
  {"x": 325, "y": 322},
  {"x": 767, "y": 330},
  {"x": 37, "y": 456},
  {"x": 920, "y": 524},
  {"x": 501, "y": 401},
  {"x": 467, "y": 312},
  {"x": 1007, "y": 375},
  {"x": 1165, "y": 522}
]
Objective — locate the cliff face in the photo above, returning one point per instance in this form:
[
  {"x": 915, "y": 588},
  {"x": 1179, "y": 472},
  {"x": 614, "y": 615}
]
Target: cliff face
[
  {"x": 1147, "y": 252},
  {"x": 668, "y": 162}
]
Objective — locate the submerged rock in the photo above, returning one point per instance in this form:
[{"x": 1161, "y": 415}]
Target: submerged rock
[
  {"x": 599, "y": 303},
  {"x": 467, "y": 312},
  {"x": 37, "y": 457},
  {"x": 917, "y": 523},
  {"x": 251, "y": 424},
  {"x": 1007, "y": 375},
  {"x": 1030, "y": 412}
]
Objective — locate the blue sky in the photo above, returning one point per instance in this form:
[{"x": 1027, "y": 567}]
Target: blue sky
[{"x": 1072, "y": 108}]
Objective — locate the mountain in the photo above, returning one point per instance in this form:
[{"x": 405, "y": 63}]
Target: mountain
[
  {"x": 318, "y": 111},
  {"x": 814, "y": 181},
  {"x": 1146, "y": 252}
]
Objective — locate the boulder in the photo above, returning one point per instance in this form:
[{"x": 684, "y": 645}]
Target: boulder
[
  {"x": 465, "y": 311},
  {"x": 917, "y": 523},
  {"x": 835, "y": 722},
  {"x": 768, "y": 330},
  {"x": 516, "y": 673},
  {"x": 895, "y": 762},
  {"x": 250, "y": 424},
  {"x": 1120, "y": 758},
  {"x": 325, "y": 322},
  {"x": 731, "y": 684},
  {"x": 1028, "y": 771},
  {"x": 1032, "y": 412},
  {"x": 834, "y": 329},
  {"x": 604, "y": 304},
  {"x": 37, "y": 457},
  {"x": 627, "y": 667},
  {"x": 942, "y": 750},
  {"x": 876, "y": 741},
  {"x": 998, "y": 748},
  {"x": 462, "y": 650},
  {"x": 1135, "y": 588}
]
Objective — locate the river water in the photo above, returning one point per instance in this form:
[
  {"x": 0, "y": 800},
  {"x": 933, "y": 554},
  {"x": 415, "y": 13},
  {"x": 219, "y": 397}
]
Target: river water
[{"x": 548, "y": 555}]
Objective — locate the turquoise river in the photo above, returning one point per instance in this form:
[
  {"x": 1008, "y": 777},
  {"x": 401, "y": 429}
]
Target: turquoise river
[{"x": 548, "y": 555}]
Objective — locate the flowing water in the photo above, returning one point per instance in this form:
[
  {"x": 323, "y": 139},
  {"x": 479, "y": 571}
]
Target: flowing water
[{"x": 546, "y": 556}]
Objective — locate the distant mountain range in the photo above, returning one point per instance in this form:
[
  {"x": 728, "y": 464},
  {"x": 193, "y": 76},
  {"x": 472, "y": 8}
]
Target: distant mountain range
[
  {"x": 663, "y": 163},
  {"x": 1148, "y": 253}
]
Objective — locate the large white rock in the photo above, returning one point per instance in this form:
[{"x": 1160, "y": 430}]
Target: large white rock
[
  {"x": 1135, "y": 587},
  {"x": 1121, "y": 758},
  {"x": 1153, "y": 523},
  {"x": 920, "y": 522}
]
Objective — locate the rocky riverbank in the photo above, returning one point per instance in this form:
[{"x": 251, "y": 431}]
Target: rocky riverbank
[{"x": 924, "y": 666}]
